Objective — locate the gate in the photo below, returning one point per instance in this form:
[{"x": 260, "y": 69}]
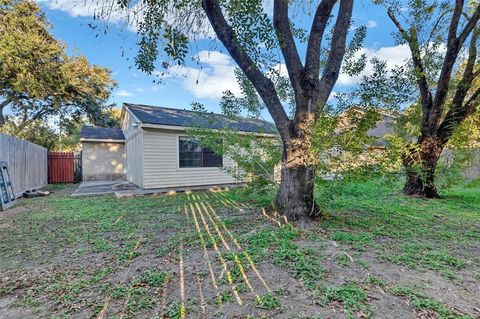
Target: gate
[{"x": 64, "y": 167}]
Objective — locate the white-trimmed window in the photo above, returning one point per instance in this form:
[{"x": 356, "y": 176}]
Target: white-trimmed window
[{"x": 191, "y": 154}]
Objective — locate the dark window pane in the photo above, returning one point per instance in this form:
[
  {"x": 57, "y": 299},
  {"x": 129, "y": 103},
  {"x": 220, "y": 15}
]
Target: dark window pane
[{"x": 210, "y": 159}]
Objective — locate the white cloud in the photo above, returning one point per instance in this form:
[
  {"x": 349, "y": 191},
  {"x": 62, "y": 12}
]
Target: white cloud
[
  {"x": 393, "y": 56},
  {"x": 123, "y": 93},
  {"x": 215, "y": 76},
  {"x": 108, "y": 11},
  {"x": 371, "y": 24}
]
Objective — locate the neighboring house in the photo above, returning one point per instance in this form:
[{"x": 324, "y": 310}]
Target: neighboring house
[
  {"x": 157, "y": 152},
  {"x": 383, "y": 127}
]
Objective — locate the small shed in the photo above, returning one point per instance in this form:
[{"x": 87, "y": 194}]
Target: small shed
[{"x": 103, "y": 153}]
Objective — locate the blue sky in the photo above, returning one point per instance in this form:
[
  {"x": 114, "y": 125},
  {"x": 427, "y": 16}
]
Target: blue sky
[{"x": 116, "y": 50}]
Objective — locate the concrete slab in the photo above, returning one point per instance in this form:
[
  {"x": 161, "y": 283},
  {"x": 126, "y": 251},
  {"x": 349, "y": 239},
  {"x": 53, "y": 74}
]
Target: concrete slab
[
  {"x": 97, "y": 188},
  {"x": 123, "y": 189},
  {"x": 173, "y": 190}
]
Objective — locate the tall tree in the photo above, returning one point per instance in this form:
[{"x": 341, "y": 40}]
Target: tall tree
[
  {"x": 37, "y": 78},
  {"x": 253, "y": 39},
  {"x": 437, "y": 35}
]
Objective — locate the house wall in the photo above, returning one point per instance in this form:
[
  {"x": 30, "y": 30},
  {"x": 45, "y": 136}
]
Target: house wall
[
  {"x": 133, "y": 149},
  {"x": 161, "y": 164},
  {"x": 134, "y": 152},
  {"x": 103, "y": 161},
  {"x": 127, "y": 125}
]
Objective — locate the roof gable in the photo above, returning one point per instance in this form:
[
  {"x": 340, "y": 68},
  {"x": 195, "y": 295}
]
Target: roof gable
[{"x": 148, "y": 114}]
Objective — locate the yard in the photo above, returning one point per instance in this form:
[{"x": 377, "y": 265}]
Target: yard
[{"x": 213, "y": 255}]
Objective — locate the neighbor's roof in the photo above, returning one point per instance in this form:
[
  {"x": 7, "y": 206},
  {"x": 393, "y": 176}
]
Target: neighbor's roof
[
  {"x": 101, "y": 133},
  {"x": 149, "y": 114}
]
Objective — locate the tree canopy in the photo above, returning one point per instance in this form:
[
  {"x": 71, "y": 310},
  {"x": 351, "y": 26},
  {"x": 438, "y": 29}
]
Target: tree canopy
[{"x": 38, "y": 80}]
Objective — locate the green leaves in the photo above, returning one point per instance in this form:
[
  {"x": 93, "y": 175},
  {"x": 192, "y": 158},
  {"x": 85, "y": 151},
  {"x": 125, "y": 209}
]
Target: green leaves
[
  {"x": 39, "y": 79},
  {"x": 353, "y": 66},
  {"x": 177, "y": 44}
]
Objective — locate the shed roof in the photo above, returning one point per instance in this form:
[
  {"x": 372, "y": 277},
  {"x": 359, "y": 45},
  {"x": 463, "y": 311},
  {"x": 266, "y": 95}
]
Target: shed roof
[
  {"x": 149, "y": 114},
  {"x": 101, "y": 133}
]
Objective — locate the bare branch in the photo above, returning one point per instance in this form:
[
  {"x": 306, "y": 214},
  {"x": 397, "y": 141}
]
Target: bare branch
[
  {"x": 454, "y": 45},
  {"x": 412, "y": 39},
  {"x": 320, "y": 20},
  {"x": 456, "y": 117},
  {"x": 459, "y": 111},
  {"x": 452, "y": 30},
  {"x": 472, "y": 22},
  {"x": 264, "y": 86},
  {"x": 287, "y": 44},
  {"x": 337, "y": 51},
  {"x": 453, "y": 48},
  {"x": 468, "y": 76}
]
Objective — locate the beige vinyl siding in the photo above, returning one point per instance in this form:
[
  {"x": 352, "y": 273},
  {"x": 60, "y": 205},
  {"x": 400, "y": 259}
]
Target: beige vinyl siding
[
  {"x": 160, "y": 160},
  {"x": 134, "y": 158},
  {"x": 127, "y": 127}
]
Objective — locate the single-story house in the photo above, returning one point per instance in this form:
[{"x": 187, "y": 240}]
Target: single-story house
[{"x": 152, "y": 149}]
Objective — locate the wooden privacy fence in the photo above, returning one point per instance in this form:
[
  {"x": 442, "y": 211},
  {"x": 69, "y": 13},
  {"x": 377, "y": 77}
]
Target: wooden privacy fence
[
  {"x": 27, "y": 163},
  {"x": 63, "y": 167}
]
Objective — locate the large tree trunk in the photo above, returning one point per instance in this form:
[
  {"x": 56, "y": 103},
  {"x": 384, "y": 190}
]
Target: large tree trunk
[
  {"x": 295, "y": 197},
  {"x": 420, "y": 169},
  {"x": 421, "y": 183}
]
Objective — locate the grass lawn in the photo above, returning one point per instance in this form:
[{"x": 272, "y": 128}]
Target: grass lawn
[{"x": 377, "y": 254}]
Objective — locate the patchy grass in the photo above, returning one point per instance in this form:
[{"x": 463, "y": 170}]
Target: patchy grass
[
  {"x": 412, "y": 232},
  {"x": 212, "y": 254},
  {"x": 352, "y": 297},
  {"x": 423, "y": 302},
  {"x": 267, "y": 301}
]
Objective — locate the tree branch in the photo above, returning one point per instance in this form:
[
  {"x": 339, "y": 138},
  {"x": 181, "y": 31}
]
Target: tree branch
[
  {"x": 262, "y": 84},
  {"x": 454, "y": 45},
  {"x": 3, "y": 105},
  {"x": 425, "y": 94},
  {"x": 459, "y": 111},
  {"x": 468, "y": 76},
  {"x": 456, "y": 117},
  {"x": 337, "y": 51},
  {"x": 453, "y": 48},
  {"x": 476, "y": 73},
  {"x": 472, "y": 22},
  {"x": 320, "y": 20},
  {"x": 288, "y": 47},
  {"x": 452, "y": 30}
]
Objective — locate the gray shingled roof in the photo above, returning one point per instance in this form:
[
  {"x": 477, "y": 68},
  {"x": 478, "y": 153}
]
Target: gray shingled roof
[
  {"x": 167, "y": 116},
  {"x": 101, "y": 133}
]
